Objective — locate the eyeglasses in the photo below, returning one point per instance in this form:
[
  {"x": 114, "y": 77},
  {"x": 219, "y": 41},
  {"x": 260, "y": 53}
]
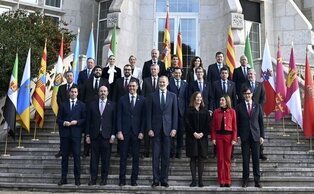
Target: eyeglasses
[{"x": 248, "y": 93}]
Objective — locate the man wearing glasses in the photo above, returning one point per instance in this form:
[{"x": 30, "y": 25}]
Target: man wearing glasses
[{"x": 251, "y": 133}]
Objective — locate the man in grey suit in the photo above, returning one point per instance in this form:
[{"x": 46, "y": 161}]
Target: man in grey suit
[{"x": 162, "y": 121}]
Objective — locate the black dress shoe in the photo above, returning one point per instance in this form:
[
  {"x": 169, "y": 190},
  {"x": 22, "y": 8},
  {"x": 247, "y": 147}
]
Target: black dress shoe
[
  {"x": 133, "y": 183},
  {"x": 258, "y": 185},
  {"x": 164, "y": 184},
  {"x": 263, "y": 157},
  {"x": 146, "y": 154},
  {"x": 222, "y": 185},
  {"x": 200, "y": 184},
  {"x": 103, "y": 182},
  {"x": 227, "y": 185},
  {"x": 62, "y": 182},
  {"x": 91, "y": 182},
  {"x": 244, "y": 184},
  {"x": 193, "y": 184},
  {"x": 178, "y": 155},
  {"x": 155, "y": 184},
  {"x": 121, "y": 183},
  {"x": 77, "y": 182},
  {"x": 58, "y": 155}
]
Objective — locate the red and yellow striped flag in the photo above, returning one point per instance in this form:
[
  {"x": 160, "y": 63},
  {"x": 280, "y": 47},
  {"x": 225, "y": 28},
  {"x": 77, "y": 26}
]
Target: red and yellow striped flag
[
  {"x": 230, "y": 59},
  {"x": 179, "y": 48},
  {"x": 166, "y": 52},
  {"x": 39, "y": 96}
]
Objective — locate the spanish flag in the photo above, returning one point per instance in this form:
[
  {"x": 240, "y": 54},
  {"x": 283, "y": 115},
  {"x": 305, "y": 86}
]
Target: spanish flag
[
  {"x": 166, "y": 52},
  {"x": 179, "y": 48}
]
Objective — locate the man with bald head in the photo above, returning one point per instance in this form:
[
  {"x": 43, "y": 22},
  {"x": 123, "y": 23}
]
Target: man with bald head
[
  {"x": 240, "y": 76},
  {"x": 154, "y": 60},
  {"x": 100, "y": 133}
]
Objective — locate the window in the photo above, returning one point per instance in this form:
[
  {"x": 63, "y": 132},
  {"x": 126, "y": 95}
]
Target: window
[
  {"x": 188, "y": 23},
  {"x": 253, "y": 29},
  {"x": 30, "y": 1},
  {"x": 54, "y": 18},
  {"x": 4, "y": 9},
  {"x": 102, "y": 31},
  {"x": 53, "y": 3}
]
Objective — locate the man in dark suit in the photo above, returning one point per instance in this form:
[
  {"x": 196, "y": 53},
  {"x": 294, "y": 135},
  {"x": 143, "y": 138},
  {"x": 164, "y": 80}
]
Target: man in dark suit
[
  {"x": 162, "y": 121},
  {"x": 100, "y": 133},
  {"x": 146, "y": 67},
  {"x": 86, "y": 73},
  {"x": 121, "y": 85},
  {"x": 92, "y": 85},
  {"x": 90, "y": 93},
  {"x": 150, "y": 85},
  {"x": 251, "y": 133},
  {"x": 213, "y": 72},
  {"x": 71, "y": 117},
  {"x": 63, "y": 96},
  {"x": 258, "y": 96},
  {"x": 130, "y": 128},
  {"x": 180, "y": 88},
  {"x": 222, "y": 87},
  {"x": 202, "y": 86},
  {"x": 240, "y": 76}
]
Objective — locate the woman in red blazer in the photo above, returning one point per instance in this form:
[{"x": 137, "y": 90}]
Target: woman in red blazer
[{"x": 224, "y": 136}]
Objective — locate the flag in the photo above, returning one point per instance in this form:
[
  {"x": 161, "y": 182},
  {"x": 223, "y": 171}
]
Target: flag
[
  {"x": 10, "y": 106},
  {"x": 166, "y": 52},
  {"x": 308, "y": 112},
  {"x": 230, "y": 59},
  {"x": 113, "y": 44},
  {"x": 91, "y": 45},
  {"x": 179, "y": 48},
  {"x": 248, "y": 52},
  {"x": 58, "y": 80},
  {"x": 268, "y": 80},
  {"x": 75, "y": 65},
  {"x": 39, "y": 95},
  {"x": 281, "y": 108},
  {"x": 23, "y": 100},
  {"x": 293, "y": 98}
]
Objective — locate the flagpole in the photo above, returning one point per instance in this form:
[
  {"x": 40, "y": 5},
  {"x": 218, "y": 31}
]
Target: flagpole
[
  {"x": 54, "y": 127},
  {"x": 284, "y": 128},
  {"x": 298, "y": 135},
  {"x": 35, "y": 131},
  {"x": 20, "y": 140},
  {"x": 311, "y": 150},
  {"x": 5, "y": 147}
]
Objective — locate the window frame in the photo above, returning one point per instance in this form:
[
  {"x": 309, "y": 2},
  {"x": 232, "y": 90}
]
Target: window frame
[
  {"x": 5, "y": 7},
  {"x": 247, "y": 29},
  {"x": 27, "y": 1},
  {"x": 52, "y": 15},
  {"x": 50, "y": 6}
]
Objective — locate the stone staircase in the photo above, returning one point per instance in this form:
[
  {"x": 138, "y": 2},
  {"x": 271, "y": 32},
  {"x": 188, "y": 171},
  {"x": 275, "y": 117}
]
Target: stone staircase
[{"x": 290, "y": 167}]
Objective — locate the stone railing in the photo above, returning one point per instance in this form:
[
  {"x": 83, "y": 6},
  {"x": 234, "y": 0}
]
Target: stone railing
[{"x": 50, "y": 75}]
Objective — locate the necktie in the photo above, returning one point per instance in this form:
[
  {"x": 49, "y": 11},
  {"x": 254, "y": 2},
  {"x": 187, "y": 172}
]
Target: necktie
[
  {"x": 125, "y": 82},
  {"x": 154, "y": 83},
  {"x": 68, "y": 87},
  {"x": 162, "y": 101},
  {"x": 88, "y": 73},
  {"x": 249, "y": 108},
  {"x": 102, "y": 106},
  {"x": 200, "y": 87},
  {"x": 178, "y": 84},
  {"x": 224, "y": 87},
  {"x": 132, "y": 102},
  {"x": 96, "y": 84},
  {"x": 72, "y": 104},
  {"x": 244, "y": 71},
  {"x": 252, "y": 86}
]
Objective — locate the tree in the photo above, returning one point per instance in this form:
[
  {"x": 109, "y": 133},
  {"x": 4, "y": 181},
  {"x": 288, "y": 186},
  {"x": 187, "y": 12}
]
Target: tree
[{"x": 20, "y": 30}]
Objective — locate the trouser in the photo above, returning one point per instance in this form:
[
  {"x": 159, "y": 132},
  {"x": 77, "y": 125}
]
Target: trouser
[
  {"x": 71, "y": 144},
  {"x": 199, "y": 162},
  {"x": 224, "y": 149}
]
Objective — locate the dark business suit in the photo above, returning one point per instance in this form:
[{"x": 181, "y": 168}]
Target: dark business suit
[
  {"x": 259, "y": 95},
  {"x": 130, "y": 122},
  {"x": 120, "y": 90},
  {"x": 148, "y": 89},
  {"x": 239, "y": 79},
  {"x": 63, "y": 93},
  {"x": 161, "y": 120},
  {"x": 146, "y": 68},
  {"x": 100, "y": 146},
  {"x": 190, "y": 76},
  {"x": 182, "y": 101},
  {"x": 217, "y": 93},
  {"x": 71, "y": 135},
  {"x": 206, "y": 93},
  {"x": 82, "y": 77},
  {"x": 213, "y": 73},
  {"x": 89, "y": 93},
  {"x": 250, "y": 129}
]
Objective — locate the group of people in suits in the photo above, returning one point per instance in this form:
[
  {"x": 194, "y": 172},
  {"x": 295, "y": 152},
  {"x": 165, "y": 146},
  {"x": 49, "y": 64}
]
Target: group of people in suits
[{"x": 109, "y": 106}]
